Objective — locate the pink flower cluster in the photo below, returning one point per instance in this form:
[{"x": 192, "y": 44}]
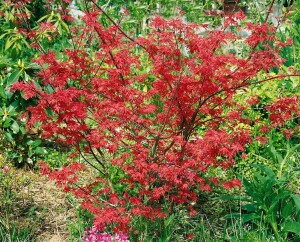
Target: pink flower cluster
[{"x": 93, "y": 235}]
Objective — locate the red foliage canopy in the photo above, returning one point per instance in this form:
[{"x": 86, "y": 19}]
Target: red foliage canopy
[{"x": 151, "y": 115}]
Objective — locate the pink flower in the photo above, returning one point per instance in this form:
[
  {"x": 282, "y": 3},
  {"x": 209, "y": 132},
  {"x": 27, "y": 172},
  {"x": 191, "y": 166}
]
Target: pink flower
[
  {"x": 93, "y": 235},
  {"x": 5, "y": 169}
]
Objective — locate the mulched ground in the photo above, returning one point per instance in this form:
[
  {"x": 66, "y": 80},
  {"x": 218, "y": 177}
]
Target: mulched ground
[{"x": 45, "y": 208}]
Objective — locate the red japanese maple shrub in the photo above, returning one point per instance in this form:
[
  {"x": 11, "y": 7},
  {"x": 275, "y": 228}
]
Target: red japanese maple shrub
[{"x": 150, "y": 132}]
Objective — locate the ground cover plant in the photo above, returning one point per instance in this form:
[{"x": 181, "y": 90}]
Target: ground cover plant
[{"x": 158, "y": 117}]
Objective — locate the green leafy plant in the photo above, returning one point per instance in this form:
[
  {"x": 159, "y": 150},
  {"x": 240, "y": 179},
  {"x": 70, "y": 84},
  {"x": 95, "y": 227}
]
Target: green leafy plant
[
  {"x": 11, "y": 193},
  {"x": 83, "y": 220},
  {"x": 14, "y": 233},
  {"x": 23, "y": 146},
  {"x": 270, "y": 202}
]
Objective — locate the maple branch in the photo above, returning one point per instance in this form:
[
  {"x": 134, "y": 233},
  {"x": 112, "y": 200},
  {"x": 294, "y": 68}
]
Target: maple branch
[
  {"x": 244, "y": 84},
  {"x": 95, "y": 156},
  {"x": 103, "y": 40},
  {"x": 70, "y": 33},
  {"x": 265, "y": 80},
  {"x": 106, "y": 173},
  {"x": 97, "y": 198},
  {"x": 169, "y": 147},
  {"x": 29, "y": 29},
  {"x": 117, "y": 25},
  {"x": 269, "y": 11},
  {"x": 113, "y": 22},
  {"x": 171, "y": 102},
  {"x": 190, "y": 124},
  {"x": 253, "y": 48},
  {"x": 90, "y": 163},
  {"x": 153, "y": 150}
]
